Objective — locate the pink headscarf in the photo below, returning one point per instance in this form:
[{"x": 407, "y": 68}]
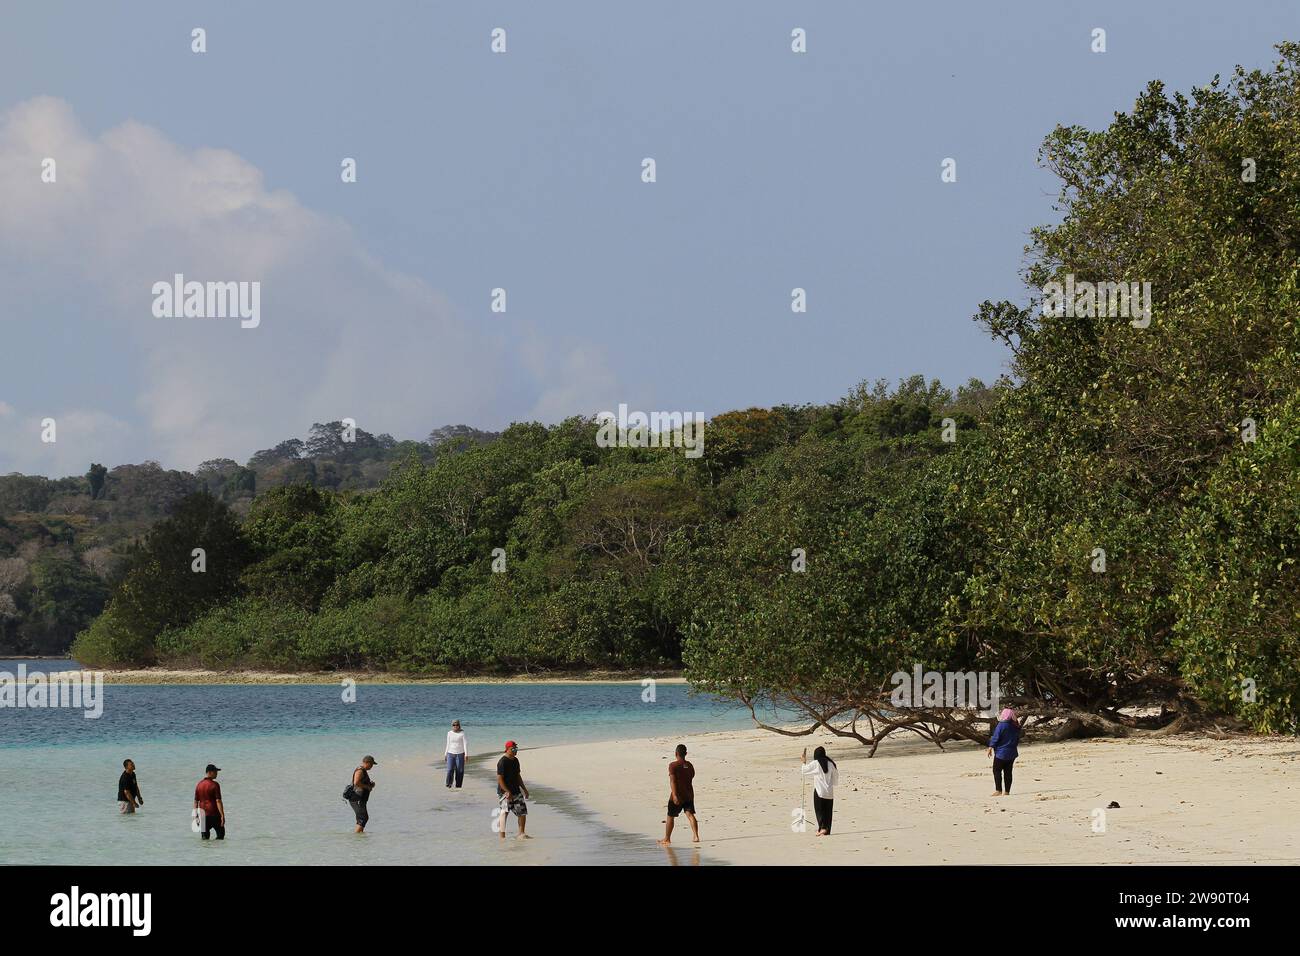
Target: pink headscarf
[{"x": 1008, "y": 714}]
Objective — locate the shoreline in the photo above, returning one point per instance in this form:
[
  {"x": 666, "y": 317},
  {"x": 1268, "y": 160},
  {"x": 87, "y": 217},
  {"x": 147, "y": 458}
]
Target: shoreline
[
  {"x": 197, "y": 675},
  {"x": 1187, "y": 800}
]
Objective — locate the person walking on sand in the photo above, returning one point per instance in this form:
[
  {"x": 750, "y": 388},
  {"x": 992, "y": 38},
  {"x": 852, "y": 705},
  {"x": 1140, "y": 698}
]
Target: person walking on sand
[
  {"x": 1002, "y": 748},
  {"x": 681, "y": 796},
  {"x": 825, "y": 776},
  {"x": 207, "y": 800},
  {"x": 455, "y": 753},
  {"x": 357, "y": 793},
  {"x": 128, "y": 789},
  {"x": 511, "y": 791}
]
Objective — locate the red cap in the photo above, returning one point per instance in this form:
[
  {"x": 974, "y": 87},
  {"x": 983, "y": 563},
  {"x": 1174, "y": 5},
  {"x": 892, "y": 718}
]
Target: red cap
[{"x": 510, "y": 743}]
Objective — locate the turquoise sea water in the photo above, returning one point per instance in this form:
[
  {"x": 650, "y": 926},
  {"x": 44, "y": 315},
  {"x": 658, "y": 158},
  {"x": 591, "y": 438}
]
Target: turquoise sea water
[{"x": 286, "y": 752}]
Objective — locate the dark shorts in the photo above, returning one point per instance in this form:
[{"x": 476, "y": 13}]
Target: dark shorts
[
  {"x": 514, "y": 803},
  {"x": 212, "y": 821},
  {"x": 676, "y": 808},
  {"x": 360, "y": 811}
]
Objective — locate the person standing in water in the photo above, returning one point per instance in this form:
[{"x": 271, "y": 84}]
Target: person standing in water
[
  {"x": 1002, "y": 748},
  {"x": 511, "y": 791},
  {"x": 825, "y": 776},
  {"x": 455, "y": 753},
  {"x": 207, "y": 800},
  {"x": 128, "y": 790},
  {"x": 681, "y": 796},
  {"x": 360, "y": 792}
]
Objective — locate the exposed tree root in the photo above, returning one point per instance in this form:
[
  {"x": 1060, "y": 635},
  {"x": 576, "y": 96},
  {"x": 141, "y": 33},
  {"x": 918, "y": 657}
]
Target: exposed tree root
[{"x": 872, "y": 722}]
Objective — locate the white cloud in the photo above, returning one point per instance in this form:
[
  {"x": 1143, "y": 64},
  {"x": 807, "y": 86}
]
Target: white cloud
[
  {"x": 582, "y": 381},
  {"x": 341, "y": 335},
  {"x": 81, "y": 436}
]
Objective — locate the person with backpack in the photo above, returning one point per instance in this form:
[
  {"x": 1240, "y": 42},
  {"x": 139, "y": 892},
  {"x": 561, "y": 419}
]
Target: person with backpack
[{"x": 357, "y": 793}]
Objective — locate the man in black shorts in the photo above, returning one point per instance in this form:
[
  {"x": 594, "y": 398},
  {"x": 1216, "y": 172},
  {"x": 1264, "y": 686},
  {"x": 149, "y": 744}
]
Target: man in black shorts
[
  {"x": 511, "y": 791},
  {"x": 681, "y": 796},
  {"x": 207, "y": 800}
]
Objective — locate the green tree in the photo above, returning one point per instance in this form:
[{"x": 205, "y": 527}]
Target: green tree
[
  {"x": 164, "y": 587},
  {"x": 96, "y": 476}
]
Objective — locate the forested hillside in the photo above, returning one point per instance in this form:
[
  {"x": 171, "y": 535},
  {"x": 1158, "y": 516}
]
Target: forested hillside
[
  {"x": 538, "y": 550},
  {"x": 65, "y": 542}
]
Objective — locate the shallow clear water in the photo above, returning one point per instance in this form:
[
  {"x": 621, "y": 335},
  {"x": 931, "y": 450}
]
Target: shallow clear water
[{"x": 287, "y": 751}]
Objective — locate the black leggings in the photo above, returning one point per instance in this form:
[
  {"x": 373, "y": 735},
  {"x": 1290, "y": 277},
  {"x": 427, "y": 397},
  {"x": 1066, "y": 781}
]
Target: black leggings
[
  {"x": 1001, "y": 767},
  {"x": 823, "y": 809}
]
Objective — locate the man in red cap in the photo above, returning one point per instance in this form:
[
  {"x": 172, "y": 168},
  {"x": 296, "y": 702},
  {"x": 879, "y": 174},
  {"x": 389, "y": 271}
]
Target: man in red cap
[{"x": 511, "y": 791}]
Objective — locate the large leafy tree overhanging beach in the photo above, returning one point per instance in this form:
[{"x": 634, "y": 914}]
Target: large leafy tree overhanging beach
[{"x": 1172, "y": 448}]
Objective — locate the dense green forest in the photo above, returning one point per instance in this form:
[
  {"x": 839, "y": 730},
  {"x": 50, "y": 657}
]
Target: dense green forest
[
  {"x": 599, "y": 548},
  {"x": 1113, "y": 528},
  {"x": 66, "y": 543}
]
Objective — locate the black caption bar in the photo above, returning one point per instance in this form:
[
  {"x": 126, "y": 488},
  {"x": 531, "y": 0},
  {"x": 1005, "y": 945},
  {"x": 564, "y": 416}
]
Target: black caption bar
[{"x": 299, "y": 904}]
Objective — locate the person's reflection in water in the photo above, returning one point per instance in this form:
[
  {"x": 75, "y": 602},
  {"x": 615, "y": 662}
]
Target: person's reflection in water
[{"x": 675, "y": 860}]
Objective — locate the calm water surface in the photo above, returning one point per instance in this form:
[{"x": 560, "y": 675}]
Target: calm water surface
[{"x": 287, "y": 751}]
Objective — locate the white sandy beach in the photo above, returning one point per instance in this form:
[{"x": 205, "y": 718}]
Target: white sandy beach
[{"x": 1185, "y": 800}]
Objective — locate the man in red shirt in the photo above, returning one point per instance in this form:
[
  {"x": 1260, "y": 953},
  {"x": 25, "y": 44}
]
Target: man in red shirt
[
  {"x": 207, "y": 800},
  {"x": 681, "y": 796}
]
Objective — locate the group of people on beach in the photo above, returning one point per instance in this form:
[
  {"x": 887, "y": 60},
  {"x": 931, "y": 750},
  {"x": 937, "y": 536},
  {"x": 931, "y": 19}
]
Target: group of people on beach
[{"x": 209, "y": 812}]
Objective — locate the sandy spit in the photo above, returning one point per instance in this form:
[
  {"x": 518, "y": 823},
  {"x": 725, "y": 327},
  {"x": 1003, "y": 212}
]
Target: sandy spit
[{"x": 1182, "y": 800}]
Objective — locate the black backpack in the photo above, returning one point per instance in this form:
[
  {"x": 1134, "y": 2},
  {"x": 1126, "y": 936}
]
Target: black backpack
[{"x": 350, "y": 792}]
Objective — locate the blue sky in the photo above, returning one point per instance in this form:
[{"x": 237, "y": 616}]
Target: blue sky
[{"x": 522, "y": 170}]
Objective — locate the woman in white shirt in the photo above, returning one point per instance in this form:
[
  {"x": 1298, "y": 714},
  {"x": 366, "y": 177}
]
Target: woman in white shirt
[
  {"x": 825, "y": 776},
  {"x": 455, "y": 752}
]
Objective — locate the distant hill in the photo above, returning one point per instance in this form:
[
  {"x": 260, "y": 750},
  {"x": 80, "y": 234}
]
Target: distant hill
[{"x": 64, "y": 541}]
